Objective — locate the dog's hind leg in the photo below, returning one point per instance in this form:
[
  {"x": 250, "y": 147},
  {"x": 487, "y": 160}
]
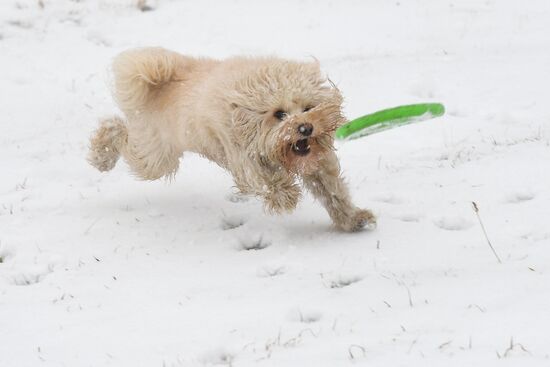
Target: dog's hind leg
[
  {"x": 107, "y": 142},
  {"x": 144, "y": 90},
  {"x": 149, "y": 155},
  {"x": 327, "y": 185},
  {"x": 151, "y": 152}
]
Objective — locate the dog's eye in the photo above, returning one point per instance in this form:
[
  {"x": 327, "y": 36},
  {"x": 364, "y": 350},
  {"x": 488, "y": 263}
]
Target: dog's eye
[
  {"x": 280, "y": 114},
  {"x": 308, "y": 108}
]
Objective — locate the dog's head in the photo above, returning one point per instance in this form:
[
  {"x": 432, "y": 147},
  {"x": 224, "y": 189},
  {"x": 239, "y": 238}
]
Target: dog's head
[{"x": 285, "y": 114}]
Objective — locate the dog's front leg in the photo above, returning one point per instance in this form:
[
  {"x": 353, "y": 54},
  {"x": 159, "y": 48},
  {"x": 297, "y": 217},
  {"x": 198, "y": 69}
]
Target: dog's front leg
[
  {"x": 281, "y": 193},
  {"x": 328, "y": 187},
  {"x": 277, "y": 188}
]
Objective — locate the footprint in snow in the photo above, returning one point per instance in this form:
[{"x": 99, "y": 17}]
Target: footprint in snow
[
  {"x": 343, "y": 280},
  {"x": 452, "y": 223},
  {"x": 249, "y": 241},
  {"x": 408, "y": 216},
  {"x": 30, "y": 275},
  {"x": 231, "y": 222},
  {"x": 519, "y": 196},
  {"x": 6, "y": 254},
  {"x": 18, "y": 273},
  {"x": 271, "y": 270},
  {"x": 304, "y": 316},
  {"x": 217, "y": 357}
]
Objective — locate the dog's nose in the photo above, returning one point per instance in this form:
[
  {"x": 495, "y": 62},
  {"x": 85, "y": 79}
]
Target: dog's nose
[{"x": 305, "y": 129}]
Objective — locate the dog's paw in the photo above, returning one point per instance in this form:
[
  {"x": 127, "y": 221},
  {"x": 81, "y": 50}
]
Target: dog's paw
[
  {"x": 105, "y": 144},
  {"x": 103, "y": 158},
  {"x": 361, "y": 218},
  {"x": 282, "y": 200}
]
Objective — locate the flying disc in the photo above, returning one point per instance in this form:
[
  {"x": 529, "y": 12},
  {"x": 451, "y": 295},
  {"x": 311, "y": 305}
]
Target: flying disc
[{"x": 389, "y": 119}]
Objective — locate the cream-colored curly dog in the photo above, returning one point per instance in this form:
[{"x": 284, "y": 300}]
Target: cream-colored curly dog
[{"x": 269, "y": 122}]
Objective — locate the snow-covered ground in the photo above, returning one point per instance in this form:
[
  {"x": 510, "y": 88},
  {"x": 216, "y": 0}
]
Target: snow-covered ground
[{"x": 103, "y": 270}]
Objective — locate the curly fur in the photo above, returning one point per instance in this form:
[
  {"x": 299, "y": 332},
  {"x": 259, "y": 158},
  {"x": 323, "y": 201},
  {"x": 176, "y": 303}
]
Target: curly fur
[{"x": 225, "y": 111}]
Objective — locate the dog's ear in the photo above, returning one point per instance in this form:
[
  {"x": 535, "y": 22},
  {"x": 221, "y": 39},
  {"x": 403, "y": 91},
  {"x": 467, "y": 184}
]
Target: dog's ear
[
  {"x": 241, "y": 114},
  {"x": 332, "y": 104},
  {"x": 247, "y": 133},
  {"x": 245, "y": 125}
]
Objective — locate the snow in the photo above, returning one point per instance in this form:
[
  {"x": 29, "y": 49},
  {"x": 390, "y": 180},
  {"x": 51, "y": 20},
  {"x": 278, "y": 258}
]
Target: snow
[{"x": 104, "y": 270}]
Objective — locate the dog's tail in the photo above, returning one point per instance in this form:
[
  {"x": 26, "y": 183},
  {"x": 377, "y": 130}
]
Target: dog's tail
[
  {"x": 107, "y": 143},
  {"x": 138, "y": 72}
]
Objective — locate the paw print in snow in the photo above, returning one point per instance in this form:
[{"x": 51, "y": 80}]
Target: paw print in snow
[
  {"x": 231, "y": 222},
  {"x": 304, "y": 316},
  {"x": 452, "y": 223}
]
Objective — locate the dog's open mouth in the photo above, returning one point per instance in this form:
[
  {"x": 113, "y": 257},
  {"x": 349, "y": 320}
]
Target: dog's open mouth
[{"x": 301, "y": 147}]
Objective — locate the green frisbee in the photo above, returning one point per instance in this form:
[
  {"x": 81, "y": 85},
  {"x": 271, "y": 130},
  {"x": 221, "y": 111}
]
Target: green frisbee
[{"x": 388, "y": 119}]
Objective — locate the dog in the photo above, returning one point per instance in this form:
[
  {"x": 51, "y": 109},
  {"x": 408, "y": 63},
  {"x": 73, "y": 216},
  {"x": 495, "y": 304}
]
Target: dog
[{"x": 270, "y": 122}]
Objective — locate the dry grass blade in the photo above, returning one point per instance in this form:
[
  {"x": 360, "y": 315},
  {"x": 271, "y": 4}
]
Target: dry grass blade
[{"x": 476, "y": 210}]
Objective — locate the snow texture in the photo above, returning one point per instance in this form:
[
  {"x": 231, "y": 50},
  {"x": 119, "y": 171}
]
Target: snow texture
[{"x": 103, "y": 270}]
